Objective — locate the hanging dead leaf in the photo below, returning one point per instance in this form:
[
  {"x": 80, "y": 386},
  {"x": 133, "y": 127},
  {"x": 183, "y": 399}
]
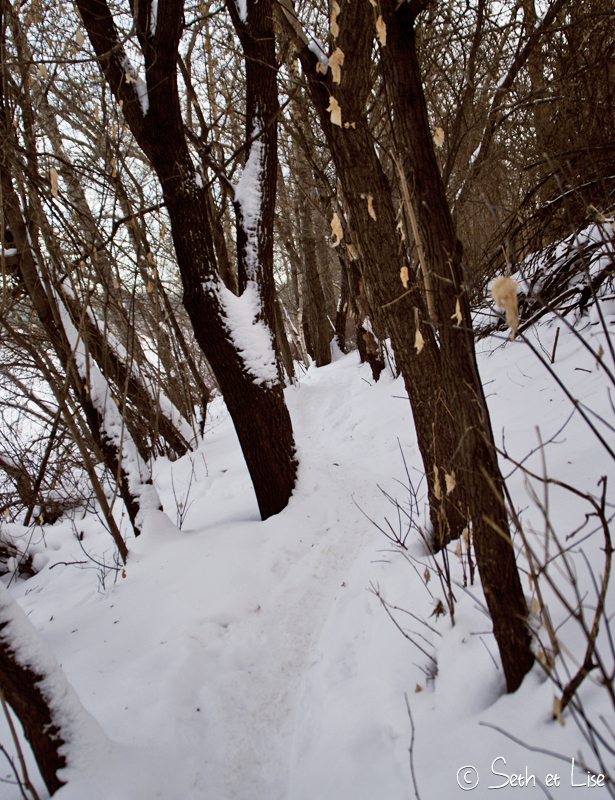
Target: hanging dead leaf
[
  {"x": 336, "y": 61},
  {"x": 350, "y": 125},
  {"x": 419, "y": 342},
  {"x": 504, "y": 292},
  {"x": 53, "y": 180},
  {"x": 79, "y": 38},
  {"x": 458, "y": 550},
  {"x": 113, "y": 168},
  {"x": 466, "y": 536},
  {"x": 43, "y": 72},
  {"x": 600, "y": 354},
  {"x": 400, "y": 228},
  {"x": 150, "y": 257},
  {"x": 403, "y": 274},
  {"x": 370, "y": 206},
  {"x": 418, "y": 689},
  {"x": 129, "y": 79},
  {"x": 335, "y": 12},
  {"x": 535, "y": 606},
  {"x": 381, "y": 30},
  {"x": 320, "y": 67},
  {"x": 427, "y": 575},
  {"x": 450, "y": 481},
  {"x": 116, "y": 284},
  {"x": 150, "y": 287},
  {"x": 457, "y": 314},
  {"x": 352, "y": 251},
  {"x": 557, "y": 711},
  {"x": 374, "y": 3},
  {"x": 438, "y": 137},
  {"x": 123, "y": 573},
  {"x": 336, "y": 230},
  {"x": 437, "y": 489},
  {"x": 335, "y": 111}
]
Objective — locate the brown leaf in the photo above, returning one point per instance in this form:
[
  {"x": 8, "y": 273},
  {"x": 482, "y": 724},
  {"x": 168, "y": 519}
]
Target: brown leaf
[
  {"x": 370, "y": 205},
  {"x": 336, "y": 230},
  {"x": 79, "y": 38},
  {"x": 419, "y": 342},
  {"x": 504, "y": 291},
  {"x": 457, "y": 314},
  {"x": 381, "y": 30},
  {"x": 427, "y": 575},
  {"x": 437, "y": 490},
  {"x": 335, "y": 111},
  {"x": 404, "y": 276},
  {"x": 336, "y": 61},
  {"x": 335, "y": 12},
  {"x": 418, "y": 689},
  {"x": 450, "y": 481},
  {"x": 438, "y": 137}
]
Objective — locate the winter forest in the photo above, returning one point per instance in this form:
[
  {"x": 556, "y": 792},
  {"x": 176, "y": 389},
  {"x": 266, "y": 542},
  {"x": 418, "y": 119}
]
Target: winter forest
[{"x": 307, "y": 390}]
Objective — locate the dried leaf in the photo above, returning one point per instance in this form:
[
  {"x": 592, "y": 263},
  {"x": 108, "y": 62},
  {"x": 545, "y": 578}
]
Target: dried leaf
[
  {"x": 352, "y": 251},
  {"x": 419, "y": 343},
  {"x": 458, "y": 550},
  {"x": 336, "y": 111},
  {"x": 535, "y": 606},
  {"x": 150, "y": 257},
  {"x": 466, "y": 536},
  {"x": 116, "y": 284},
  {"x": 7, "y": 514},
  {"x": 427, "y": 575},
  {"x": 438, "y": 137},
  {"x": 335, "y": 12},
  {"x": 150, "y": 287},
  {"x": 350, "y": 125},
  {"x": 370, "y": 206},
  {"x": 320, "y": 67},
  {"x": 418, "y": 689},
  {"x": 374, "y": 3},
  {"x": 439, "y": 610},
  {"x": 381, "y": 30},
  {"x": 53, "y": 180},
  {"x": 123, "y": 573},
  {"x": 437, "y": 490},
  {"x": 557, "y": 711},
  {"x": 600, "y": 354},
  {"x": 79, "y": 38},
  {"x": 403, "y": 274},
  {"x": 504, "y": 291},
  {"x": 336, "y": 61},
  {"x": 336, "y": 230},
  {"x": 450, "y": 481},
  {"x": 43, "y": 72},
  {"x": 457, "y": 314},
  {"x": 129, "y": 78},
  {"x": 113, "y": 168}
]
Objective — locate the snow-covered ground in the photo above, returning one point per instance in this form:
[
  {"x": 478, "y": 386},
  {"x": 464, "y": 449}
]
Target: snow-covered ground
[{"x": 236, "y": 659}]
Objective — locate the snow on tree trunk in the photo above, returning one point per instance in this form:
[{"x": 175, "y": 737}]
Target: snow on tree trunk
[{"x": 62, "y": 734}]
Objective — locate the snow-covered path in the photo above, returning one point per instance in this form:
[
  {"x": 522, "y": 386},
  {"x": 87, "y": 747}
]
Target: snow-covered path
[{"x": 247, "y": 660}]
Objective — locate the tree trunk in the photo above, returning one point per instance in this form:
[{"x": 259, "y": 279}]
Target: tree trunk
[
  {"x": 251, "y": 387},
  {"x": 474, "y": 460},
  {"x": 35, "y": 687}
]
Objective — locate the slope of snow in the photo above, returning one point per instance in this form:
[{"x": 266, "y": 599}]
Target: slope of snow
[{"x": 247, "y": 660}]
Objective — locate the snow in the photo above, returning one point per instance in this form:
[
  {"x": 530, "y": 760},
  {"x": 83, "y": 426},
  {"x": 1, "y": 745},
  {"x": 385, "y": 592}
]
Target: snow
[
  {"x": 249, "y": 334},
  {"x": 153, "y": 18},
  {"x": 137, "y": 81},
  {"x": 248, "y": 660},
  {"x": 112, "y": 424},
  {"x": 248, "y": 194}
]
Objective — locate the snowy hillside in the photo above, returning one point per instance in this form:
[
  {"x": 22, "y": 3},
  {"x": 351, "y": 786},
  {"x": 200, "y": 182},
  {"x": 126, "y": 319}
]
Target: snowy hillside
[{"x": 236, "y": 659}]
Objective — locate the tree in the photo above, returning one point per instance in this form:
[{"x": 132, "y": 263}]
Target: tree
[
  {"x": 431, "y": 330},
  {"x": 251, "y": 386}
]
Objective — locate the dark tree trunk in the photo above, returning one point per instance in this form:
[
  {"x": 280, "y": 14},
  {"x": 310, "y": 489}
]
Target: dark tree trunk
[
  {"x": 474, "y": 461},
  {"x": 439, "y": 369},
  {"x": 395, "y": 309},
  {"x": 255, "y": 401}
]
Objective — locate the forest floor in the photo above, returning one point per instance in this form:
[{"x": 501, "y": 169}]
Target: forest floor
[{"x": 236, "y": 659}]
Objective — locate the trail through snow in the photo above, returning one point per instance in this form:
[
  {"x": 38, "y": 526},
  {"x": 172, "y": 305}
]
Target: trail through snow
[{"x": 248, "y": 660}]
